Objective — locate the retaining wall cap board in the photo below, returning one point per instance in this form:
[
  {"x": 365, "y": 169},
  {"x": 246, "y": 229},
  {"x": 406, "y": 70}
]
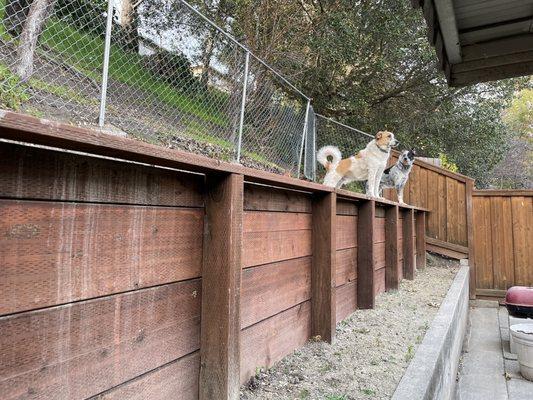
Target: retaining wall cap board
[{"x": 438, "y": 354}]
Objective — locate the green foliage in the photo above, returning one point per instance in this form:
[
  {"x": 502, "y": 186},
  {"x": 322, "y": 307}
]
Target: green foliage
[
  {"x": 12, "y": 93},
  {"x": 369, "y": 64},
  {"x": 519, "y": 115},
  {"x": 447, "y": 164},
  {"x": 88, "y": 15},
  {"x": 173, "y": 68}
]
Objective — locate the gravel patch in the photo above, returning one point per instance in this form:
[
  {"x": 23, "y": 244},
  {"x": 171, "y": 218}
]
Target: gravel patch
[{"x": 372, "y": 348}]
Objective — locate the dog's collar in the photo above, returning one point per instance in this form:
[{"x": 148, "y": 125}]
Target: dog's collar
[{"x": 380, "y": 149}]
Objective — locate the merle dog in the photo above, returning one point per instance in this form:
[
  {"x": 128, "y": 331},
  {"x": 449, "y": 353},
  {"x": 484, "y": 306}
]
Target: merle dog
[{"x": 396, "y": 176}]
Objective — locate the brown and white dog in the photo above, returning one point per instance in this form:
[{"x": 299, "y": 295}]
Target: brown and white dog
[{"x": 366, "y": 165}]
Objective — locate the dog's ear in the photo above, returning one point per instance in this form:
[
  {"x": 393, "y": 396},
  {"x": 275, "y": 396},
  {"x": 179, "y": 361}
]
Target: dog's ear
[
  {"x": 379, "y": 135},
  {"x": 413, "y": 151}
]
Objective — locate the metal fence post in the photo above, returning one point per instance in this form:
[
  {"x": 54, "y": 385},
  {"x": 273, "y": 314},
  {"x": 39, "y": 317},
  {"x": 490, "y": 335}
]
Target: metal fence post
[
  {"x": 303, "y": 137},
  {"x": 105, "y": 71},
  {"x": 243, "y": 105}
]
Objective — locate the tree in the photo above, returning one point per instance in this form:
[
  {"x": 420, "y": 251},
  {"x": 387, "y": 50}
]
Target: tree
[{"x": 37, "y": 15}]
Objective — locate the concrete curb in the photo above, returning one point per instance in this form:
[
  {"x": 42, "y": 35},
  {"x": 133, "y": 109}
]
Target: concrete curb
[{"x": 432, "y": 372}]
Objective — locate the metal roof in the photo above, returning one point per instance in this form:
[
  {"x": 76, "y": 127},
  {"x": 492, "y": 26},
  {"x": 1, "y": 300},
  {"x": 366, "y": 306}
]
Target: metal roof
[{"x": 480, "y": 40}]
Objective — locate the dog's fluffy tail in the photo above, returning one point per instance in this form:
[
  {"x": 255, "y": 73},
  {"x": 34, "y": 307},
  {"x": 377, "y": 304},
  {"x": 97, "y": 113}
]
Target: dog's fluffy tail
[{"x": 329, "y": 151}]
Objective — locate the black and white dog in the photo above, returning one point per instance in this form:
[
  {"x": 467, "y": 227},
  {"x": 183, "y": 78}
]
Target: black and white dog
[{"x": 396, "y": 176}]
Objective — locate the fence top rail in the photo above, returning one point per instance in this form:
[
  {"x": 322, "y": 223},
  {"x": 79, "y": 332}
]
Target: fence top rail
[
  {"x": 28, "y": 129},
  {"x": 345, "y": 126},
  {"x": 503, "y": 192}
]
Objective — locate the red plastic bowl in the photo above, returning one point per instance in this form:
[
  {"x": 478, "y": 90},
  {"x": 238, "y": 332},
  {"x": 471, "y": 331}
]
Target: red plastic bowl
[{"x": 519, "y": 301}]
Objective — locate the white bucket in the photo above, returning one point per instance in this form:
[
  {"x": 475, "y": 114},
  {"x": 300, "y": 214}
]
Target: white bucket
[
  {"x": 523, "y": 342},
  {"x": 514, "y": 321}
]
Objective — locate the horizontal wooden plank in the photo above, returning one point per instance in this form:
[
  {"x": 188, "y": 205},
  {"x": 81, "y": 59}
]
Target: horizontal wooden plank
[
  {"x": 379, "y": 255},
  {"x": 268, "y": 289},
  {"x": 445, "y": 252},
  {"x": 268, "y": 198},
  {"x": 82, "y": 349},
  {"x": 379, "y": 281},
  {"x": 346, "y": 231},
  {"x": 496, "y": 48},
  {"x": 265, "y": 221},
  {"x": 178, "y": 378},
  {"x": 34, "y": 173},
  {"x": 379, "y": 230},
  {"x": 346, "y": 298},
  {"x": 493, "y": 73},
  {"x": 380, "y": 212},
  {"x": 447, "y": 245},
  {"x": 268, "y": 247},
  {"x": 490, "y": 192},
  {"x": 267, "y": 342},
  {"x": 346, "y": 207},
  {"x": 346, "y": 263},
  {"x": 491, "y": 292},
  {"x": 382, "y": 202},
  {"x": 53, "y": 253},
  {"x": 25, "y": 128}
]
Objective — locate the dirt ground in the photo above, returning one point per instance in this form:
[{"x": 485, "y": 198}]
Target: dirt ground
[{"x": 372, "y": 347}]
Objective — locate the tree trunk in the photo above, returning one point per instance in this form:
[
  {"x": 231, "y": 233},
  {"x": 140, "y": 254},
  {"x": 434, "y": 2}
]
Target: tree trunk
[
  {"x": 208, "y": 48},
  {"x": 30, "y": 34}
]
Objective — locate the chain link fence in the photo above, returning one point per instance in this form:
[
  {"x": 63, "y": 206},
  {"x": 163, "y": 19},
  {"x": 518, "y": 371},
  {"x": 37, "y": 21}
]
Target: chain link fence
[{"x": 161, "y": 72}]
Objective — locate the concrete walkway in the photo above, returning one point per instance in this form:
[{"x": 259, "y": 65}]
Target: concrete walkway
[{"x": 488, "y": 370}]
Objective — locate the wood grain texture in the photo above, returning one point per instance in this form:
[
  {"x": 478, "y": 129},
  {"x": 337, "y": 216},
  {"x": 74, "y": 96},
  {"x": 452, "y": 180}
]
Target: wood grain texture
[
  {"x": 221, "y": 286},
  {"x": 451, "y": 211},
  {"x": 345, "y": 207},
  {"x": 269, "y": 289},
  {"x": 268, "y": 341},
  {"x": 442, "y": 208},
  {"x": 268, "y": 198},
  {"x": 502, "y": 242},
  {"x": 346, "y": 264},
  {"x": 379, "y": 228},
  {"x": 273, "y": 236},
  {"x": 522, "y": 215},
  {"x": 469, "y": 188},
  {"x": 82, "y": 349},
  {"x": 178, "y": 379},
  {"x": 408, "y": 245},
  {"x": 323, "y": 301},
  {"x": 423, "y": 187},
  {"x": 346, "y": 298},
  {"x": 346, "y": 232},
  {"x": 433, "y": 205},
  {"x": 391, "y": 249},
  {"x": 379, "y": 255},
  {"x": 462, "y": 225},
  {"x": 33, "y": 173},
  {"x": 53, "y": 253},
  {"x": 365, "y": 255},
  {"x": 420, "y": 230},
  {"x": 25, "y": 128},
  {"x": 379, "y": 279}
]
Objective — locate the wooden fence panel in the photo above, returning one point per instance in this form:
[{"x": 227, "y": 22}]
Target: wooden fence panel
[
  {"x": 443, "y": 193},
  {"x": 502, "y": 222}
]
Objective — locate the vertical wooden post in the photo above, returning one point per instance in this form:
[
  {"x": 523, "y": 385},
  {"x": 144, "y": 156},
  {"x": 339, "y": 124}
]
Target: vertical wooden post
[
  {"x": 365, "y": 254},
  {"x": 323, "y": 300},
  {"x": 470, "y": 234},
  {"x": 420, "y": 240},
  {"x": 392, "y": 218},
  {"x": 408, "y": 244},
  {"x": 221, "y": 284}
]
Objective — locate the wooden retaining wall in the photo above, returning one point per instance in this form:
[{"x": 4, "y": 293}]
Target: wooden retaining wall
[
  {"x": 120, "y": 280},
  {"x": 503, "y": 240}
]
